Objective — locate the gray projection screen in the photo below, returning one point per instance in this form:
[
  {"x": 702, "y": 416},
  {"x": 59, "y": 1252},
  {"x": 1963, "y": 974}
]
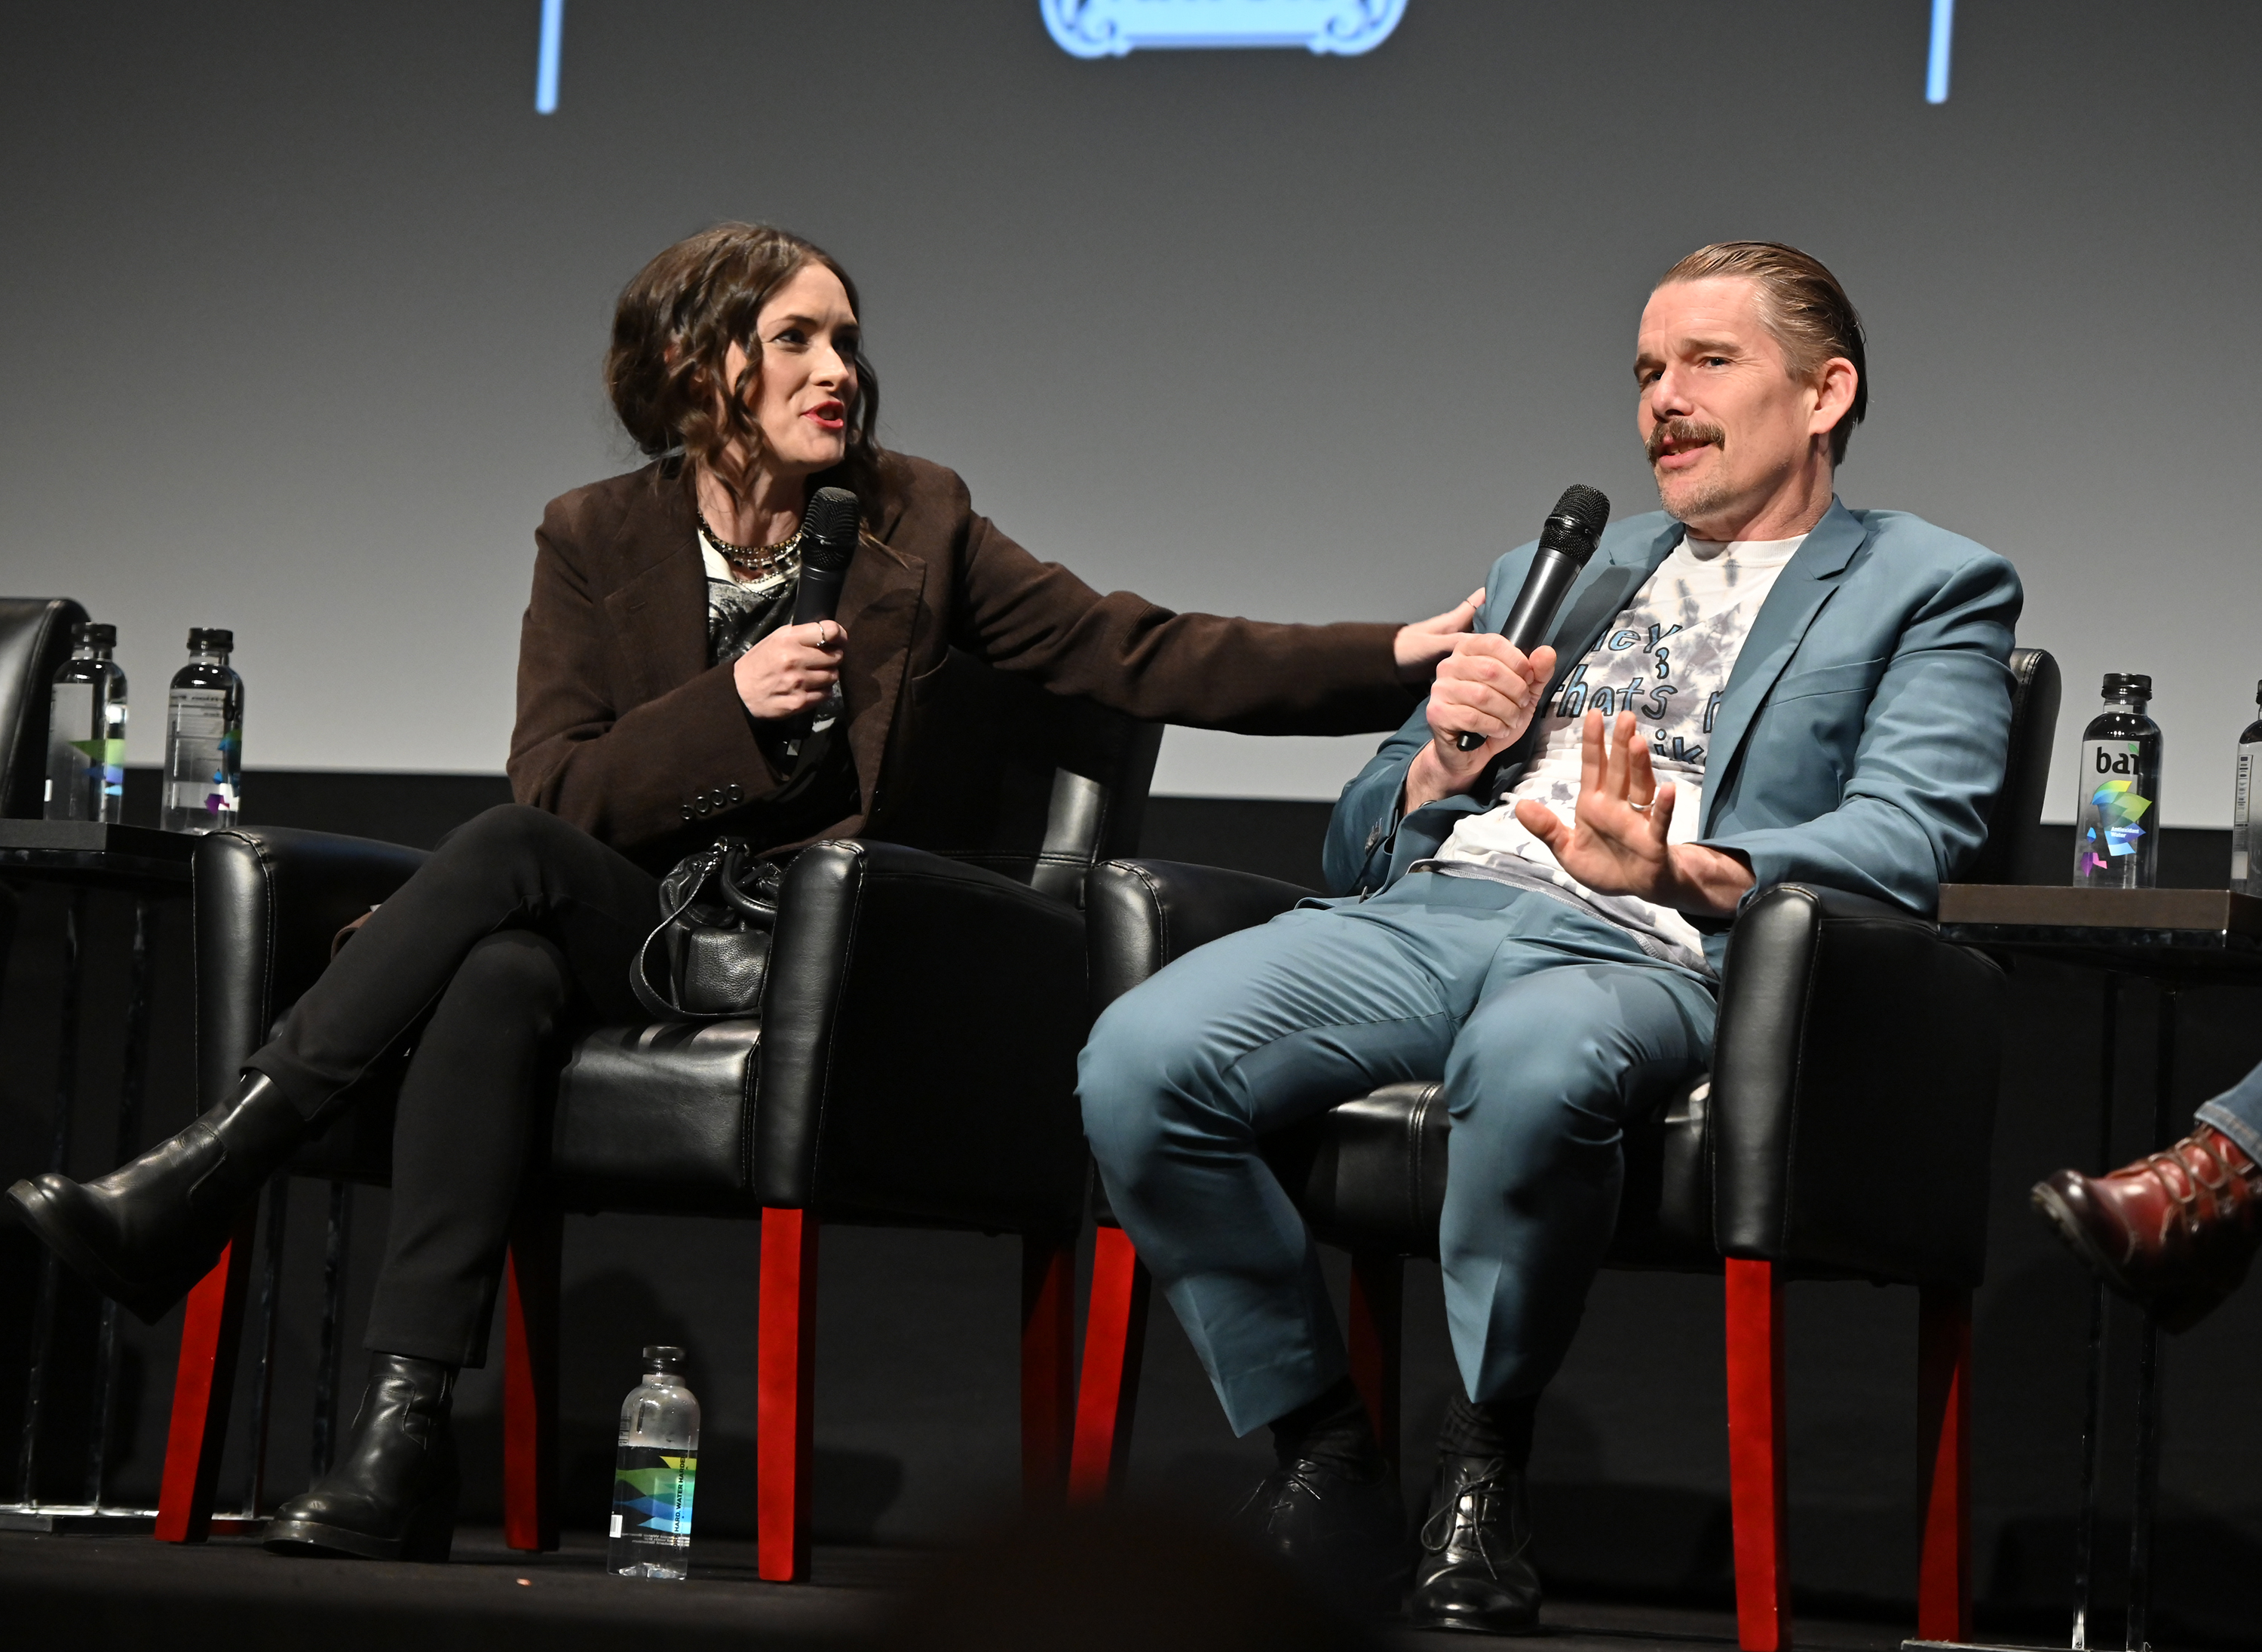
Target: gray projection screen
[{"x": 305, "y": 306}]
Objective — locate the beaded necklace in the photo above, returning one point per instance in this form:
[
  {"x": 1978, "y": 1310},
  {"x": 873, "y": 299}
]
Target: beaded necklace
[{"x": 754, "y": 562}]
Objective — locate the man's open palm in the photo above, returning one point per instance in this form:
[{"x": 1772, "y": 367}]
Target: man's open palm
[{"x": 1616, "y": 844}]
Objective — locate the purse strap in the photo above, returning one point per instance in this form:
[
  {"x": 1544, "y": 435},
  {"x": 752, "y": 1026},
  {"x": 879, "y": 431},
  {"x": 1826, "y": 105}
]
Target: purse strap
[
  {"x": 653, "y": 1000},
  {"x": 722, "y": 862}
]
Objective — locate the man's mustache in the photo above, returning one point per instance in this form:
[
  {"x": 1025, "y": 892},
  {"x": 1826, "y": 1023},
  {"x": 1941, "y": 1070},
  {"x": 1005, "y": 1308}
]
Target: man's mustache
[{"x": 1682, "y": 433}]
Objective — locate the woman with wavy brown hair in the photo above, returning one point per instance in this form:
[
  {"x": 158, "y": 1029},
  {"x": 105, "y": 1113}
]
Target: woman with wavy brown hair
[{"x": 661, "y": 688}]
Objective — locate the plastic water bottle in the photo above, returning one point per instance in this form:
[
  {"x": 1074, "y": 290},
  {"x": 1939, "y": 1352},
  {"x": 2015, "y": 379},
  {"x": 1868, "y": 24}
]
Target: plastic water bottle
[
  {"x": 2245, "y": 851},
  {"x": 204, "y": 738},
  {"x": 86, "y": 731},
  {"x": 655, "y": 1473},
  {"x": 2116, "y": 813}
]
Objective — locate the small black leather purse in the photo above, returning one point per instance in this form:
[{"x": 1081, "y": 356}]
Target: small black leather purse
[{"x": 720, "y": 907}]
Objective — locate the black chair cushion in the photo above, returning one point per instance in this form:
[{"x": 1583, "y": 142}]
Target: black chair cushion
[
  {"x": 655, "y": 1117},
  {"x": 1370, "y": 1175},
  {"x": 658, "y": 1117}
]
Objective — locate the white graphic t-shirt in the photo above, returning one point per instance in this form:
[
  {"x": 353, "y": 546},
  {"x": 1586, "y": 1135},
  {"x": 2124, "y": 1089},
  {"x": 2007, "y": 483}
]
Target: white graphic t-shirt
[{"x": 1666, "y": 659}]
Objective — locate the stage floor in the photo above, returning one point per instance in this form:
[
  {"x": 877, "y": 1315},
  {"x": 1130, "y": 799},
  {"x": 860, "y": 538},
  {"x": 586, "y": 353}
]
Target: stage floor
[{"x": 132, "y": 1591}]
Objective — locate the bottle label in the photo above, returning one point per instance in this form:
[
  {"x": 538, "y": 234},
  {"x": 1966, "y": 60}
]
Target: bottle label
[
  {"x": 86, "y": 753},
  {"x": 200, "y": 714},
  {"x": 71, "y": 713},
  {"x": 652, "y": 1495},
  {"x": 204, "y": 751},
  {"x": 2111, "y": 820},
  {"x": 2241, "y": 804}
]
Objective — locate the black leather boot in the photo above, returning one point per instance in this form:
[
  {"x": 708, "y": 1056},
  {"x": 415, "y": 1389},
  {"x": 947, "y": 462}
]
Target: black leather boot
[
  {"x": 1475, "y": 1570},
  {"x": 144, "y": 1234},
  {"x": 1343, "y": 1528},
  {"x": 392, "y": 1495}
]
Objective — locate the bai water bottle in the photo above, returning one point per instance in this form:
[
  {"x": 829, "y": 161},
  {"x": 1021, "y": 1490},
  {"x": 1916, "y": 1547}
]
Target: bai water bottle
[
  {"x": 2245, "y": 852},
  {"x": 204, "y": 738},
  {"x": 655, "y": 1473},
  {"x": 2116, "y": 812},
  {"x": 86, "y": 731}
]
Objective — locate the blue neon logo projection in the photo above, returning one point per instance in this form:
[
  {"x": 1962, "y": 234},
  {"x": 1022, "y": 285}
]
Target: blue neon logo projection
[
  {"x": 545, "y": 61},
  {"x": 1936, "y": 69},
  {"x": 1115, "y": 28},
  {"x": 1112, "y": 28}
]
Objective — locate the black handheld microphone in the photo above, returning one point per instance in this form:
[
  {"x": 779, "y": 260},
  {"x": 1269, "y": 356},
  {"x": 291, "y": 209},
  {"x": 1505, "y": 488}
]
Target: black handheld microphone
[
  {"x": 829, "y": 530},
  {"x": 828, "y": 540},
  {"x": 1565, "y": 543}
]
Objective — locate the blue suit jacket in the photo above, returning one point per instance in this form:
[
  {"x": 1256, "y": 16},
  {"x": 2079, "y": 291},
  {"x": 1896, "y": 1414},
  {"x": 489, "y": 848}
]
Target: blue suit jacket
[{"x": 1859, "y": 743}]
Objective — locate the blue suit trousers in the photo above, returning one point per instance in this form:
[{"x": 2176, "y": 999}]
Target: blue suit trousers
[
  {"x": 2237, "y": 1113},
  {"x": 1552, "y": 1029}
]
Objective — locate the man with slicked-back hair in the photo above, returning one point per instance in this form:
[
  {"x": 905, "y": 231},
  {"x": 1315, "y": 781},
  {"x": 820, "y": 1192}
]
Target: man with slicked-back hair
[{"x": 1752, "y": 685}]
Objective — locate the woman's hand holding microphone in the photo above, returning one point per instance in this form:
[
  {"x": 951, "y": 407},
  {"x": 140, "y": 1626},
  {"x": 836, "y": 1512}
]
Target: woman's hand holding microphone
[{"x": 790, "y": 671}]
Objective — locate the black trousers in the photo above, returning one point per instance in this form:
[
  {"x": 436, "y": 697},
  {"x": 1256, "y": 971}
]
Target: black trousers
[{"x": 515, "y": 935}]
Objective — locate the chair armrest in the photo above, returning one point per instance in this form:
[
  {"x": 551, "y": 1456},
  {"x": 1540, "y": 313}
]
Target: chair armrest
[
  {"x": 920, "y": 1028},
  {"x": 1142, "y": 914},
  {"x": 1853, "y": 1080},
  {"x": 268, "y": 900}
]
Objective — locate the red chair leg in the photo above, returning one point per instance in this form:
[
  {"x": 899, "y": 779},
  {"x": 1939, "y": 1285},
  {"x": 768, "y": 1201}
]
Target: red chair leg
[
  {"x": 1047, "y": 1367},
  {"x": 1943, "y": 1360},
  {"x": 1378, "y": 1294},
  {"x": 785, "y": 1403},
  {"x": 203, "y": 1382},
  {"x": 1758, "y": 1480},
  {"x": 529, "y": 1382},
  {"x": 1114, "y": 1346}
]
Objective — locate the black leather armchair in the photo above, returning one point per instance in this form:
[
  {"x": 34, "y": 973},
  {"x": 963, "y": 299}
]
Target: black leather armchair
[
  {"x": 913, "y": 1065},
  {"x": 1843, "y": 1133},
  {"x": 35, "y": 642}
]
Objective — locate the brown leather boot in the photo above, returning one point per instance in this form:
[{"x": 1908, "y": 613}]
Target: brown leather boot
[{"x": 2172, "y": 1232}]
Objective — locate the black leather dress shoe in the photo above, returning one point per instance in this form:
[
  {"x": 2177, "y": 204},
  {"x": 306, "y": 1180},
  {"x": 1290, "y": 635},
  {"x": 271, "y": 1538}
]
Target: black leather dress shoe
[
  {"x": 1345, "y": 1533},
  {"x": 1475, "y": 1570},
  {"x": 144, "y": 1234},
  {"x": 393, "y": 1495}
]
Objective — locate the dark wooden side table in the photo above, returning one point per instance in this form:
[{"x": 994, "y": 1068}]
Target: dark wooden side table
[
  {"x": 149, "y": 866},
  {"x": 2172, "y": 938}
]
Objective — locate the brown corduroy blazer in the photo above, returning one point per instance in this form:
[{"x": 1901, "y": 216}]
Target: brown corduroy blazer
[{"x": 625, "y": 730}]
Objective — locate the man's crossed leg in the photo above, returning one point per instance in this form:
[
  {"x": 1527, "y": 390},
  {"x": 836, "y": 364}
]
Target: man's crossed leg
[{"x": 1552, "y": 1029}]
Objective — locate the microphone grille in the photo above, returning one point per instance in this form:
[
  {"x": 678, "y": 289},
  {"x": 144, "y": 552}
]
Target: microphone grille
[
  {"x": 1589, "y": 507},
  {"x": 831, "y": 523}
]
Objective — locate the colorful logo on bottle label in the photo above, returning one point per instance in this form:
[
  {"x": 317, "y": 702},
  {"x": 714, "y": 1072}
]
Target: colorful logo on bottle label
[
  {"x": 652, "y": 1498},
  {"x": 106, "y": 758},
  {"x": 2109, "y": 828}
]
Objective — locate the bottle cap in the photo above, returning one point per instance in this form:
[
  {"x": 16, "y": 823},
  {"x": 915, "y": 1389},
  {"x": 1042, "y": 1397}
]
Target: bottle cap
[
  {"x": 205, "y": 639},
  {"x": 663, "y": 1359},
  {"x": 2123, "y": 685},
  {"x": 95, "y": 635}
]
